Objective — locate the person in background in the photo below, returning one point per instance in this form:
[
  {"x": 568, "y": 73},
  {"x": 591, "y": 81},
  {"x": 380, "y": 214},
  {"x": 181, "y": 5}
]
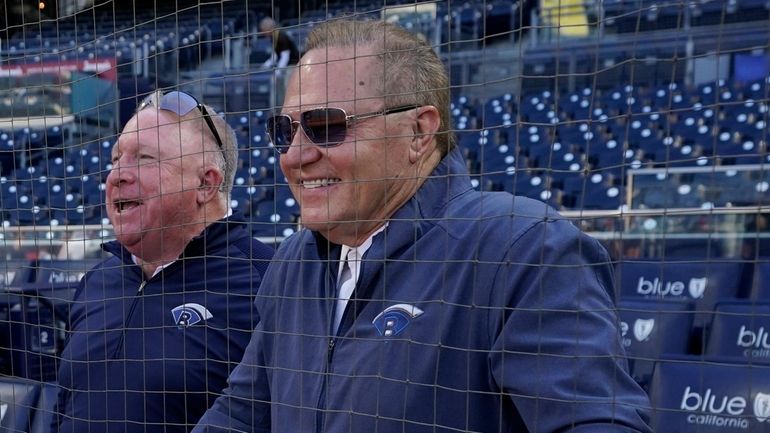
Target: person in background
[
  {"x": 156, "y": 328},
  {"x": 411, "y": 302},
  {"x": 284, "y": 55},
  {"x": 285, "y": 51}
]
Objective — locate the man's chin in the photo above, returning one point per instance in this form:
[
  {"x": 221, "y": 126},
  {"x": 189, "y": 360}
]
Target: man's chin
[
  {"x": 338, "y": 232},
  {"x": 128, "y": 236},
  {"x": 317, "y": 223}
]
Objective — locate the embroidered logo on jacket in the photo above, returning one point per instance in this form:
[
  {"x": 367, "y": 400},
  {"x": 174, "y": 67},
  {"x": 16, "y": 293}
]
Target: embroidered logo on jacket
[
  {"x": 394, "y": 319},
  {"x": 189, "y": 314}
]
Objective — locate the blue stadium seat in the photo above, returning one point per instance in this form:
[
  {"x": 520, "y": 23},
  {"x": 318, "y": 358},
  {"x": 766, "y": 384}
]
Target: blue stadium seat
[
  {"x": 707, "y": 395},
  {"x": 14, "y": 273},
  {"x": 703, "y": 282},
  {"x": 275, "y": 218},
  {"x": 608, "y": 197},
  {"x": 31, "y": 335},
  {"x": 498, "y": 160},
  {"x": 740, "y": 330},
  {"x": 33, "y": 216},
  {"x": 56, "y": 271},
  {"x": 18, "y": 398},
  {"x": 652, "y": 330},
  {"x": 611, "y": 157},
  {"x": 760, "y": 289},
  {"x": 44, "y": 408}
]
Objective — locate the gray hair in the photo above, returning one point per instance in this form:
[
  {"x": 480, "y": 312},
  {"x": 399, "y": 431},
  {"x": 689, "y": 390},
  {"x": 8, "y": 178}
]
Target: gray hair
[{"x": 412, "y": 72}]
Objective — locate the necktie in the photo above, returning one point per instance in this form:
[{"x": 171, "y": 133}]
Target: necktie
[{"x": 347, "y": 284}]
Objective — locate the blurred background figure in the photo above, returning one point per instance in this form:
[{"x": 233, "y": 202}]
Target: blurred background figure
[{"x": 285, "y": 54}]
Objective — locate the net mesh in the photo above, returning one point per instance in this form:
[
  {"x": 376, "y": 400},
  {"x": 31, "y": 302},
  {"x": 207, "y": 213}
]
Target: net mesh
[{"x": 644, "y": 122}]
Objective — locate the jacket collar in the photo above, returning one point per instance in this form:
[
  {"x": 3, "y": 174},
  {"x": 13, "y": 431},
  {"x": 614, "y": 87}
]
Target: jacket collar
[
  {"x": 213, "y": 237},
  {"x": 448, "y": 180}
]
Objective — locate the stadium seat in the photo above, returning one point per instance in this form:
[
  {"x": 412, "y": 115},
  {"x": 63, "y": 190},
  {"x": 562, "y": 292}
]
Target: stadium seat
[
  {"x": 760, "y": 290},
  {"x": 56, "y": 280},
  {"x": 708, "y": 395},
  {"x": 18, "y": 398},
  {"x": 44, "y": 408},
  {"x": 61, "y": 271},
  {"x": 276, "y": 218},
  {"x": 653, "y": 329},
  {"x": 14, "y": 273},
  {"x": 704, "y": 282},
  {"x": 608, "y": 197},
  {"x": 30, "y": 335},
  {"x": 740, "y": 330}
]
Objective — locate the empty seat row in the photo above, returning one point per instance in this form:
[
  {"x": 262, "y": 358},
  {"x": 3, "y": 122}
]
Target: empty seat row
[
  {"x": 577, "y": 163},
  {"x": 704, "y": 308},
  {"x": 654, "y": 330}
]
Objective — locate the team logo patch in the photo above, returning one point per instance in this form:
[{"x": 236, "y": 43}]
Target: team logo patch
[
  {"x": 394, "y": 319},
  {"x": 189, "y": 314}
]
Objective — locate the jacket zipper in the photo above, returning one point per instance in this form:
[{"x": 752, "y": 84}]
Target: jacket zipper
[
  {"x": 321, "y": 417},
  {"x": 122, "y": 339},
  {"x": 321, "y": 406}
]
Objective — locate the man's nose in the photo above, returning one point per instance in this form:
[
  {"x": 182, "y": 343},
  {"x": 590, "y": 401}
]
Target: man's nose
[
  {"x": 301, "y": 152},
  {"x": 121, "y": 174}
]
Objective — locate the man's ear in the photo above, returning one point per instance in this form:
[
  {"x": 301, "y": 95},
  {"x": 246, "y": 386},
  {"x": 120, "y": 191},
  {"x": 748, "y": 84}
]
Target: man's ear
[
  {"x": 211, "y": 179},
  {"x": 427, "y": 124}
]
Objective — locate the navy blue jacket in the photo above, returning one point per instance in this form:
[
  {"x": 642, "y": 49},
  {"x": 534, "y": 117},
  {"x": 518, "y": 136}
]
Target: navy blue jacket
[
  {"x": 153, "y": 360},
  {"x": 474, "y": 311}
]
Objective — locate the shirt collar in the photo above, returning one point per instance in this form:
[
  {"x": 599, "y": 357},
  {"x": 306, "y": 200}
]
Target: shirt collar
[{"x": 358, "y": 252}]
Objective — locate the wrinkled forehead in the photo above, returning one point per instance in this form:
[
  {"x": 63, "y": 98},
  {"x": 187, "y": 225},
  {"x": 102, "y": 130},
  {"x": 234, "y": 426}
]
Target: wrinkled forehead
[
  {"x": 152, "y": 130},
  {"x": 335, "y": 76},
  {"x": 150, "y": 117}
]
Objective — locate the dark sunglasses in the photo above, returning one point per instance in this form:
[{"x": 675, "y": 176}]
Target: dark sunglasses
[
  {"x": 181, "y": 103},
  {"x": 325, "y": 127}
]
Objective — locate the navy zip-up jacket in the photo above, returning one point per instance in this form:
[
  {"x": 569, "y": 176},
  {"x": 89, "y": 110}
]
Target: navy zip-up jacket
[
  {"x": 150, "y": 355},
  {"x": 474, "y": 311}
]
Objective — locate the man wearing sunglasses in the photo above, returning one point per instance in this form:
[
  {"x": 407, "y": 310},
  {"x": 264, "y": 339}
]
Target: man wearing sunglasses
[
  {"x": 412, "y": 302},
  {"x": 157, "y": 327}
]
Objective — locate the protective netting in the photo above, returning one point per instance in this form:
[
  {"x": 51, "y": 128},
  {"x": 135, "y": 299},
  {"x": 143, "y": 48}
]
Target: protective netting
[{"x": 643, "y": 122}]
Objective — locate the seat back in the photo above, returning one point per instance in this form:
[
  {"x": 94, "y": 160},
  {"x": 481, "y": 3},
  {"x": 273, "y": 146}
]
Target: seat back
[
  {"x": 653, "y": 329},
  {"x": 62, "y": 271},
  {"x": 760, "y": 290},
  {"x": 18, "y": 398},
  {"x": 740, "y": 330},
  {"x": 45, "y": 407},
  {"x": 697, "y": 395},
  {"x": 57, "y": 280},
  {"x": 31, "y": 336},
  {"x": 701, "y": 282},
  {"x": 9, "y": 304},
  {"x": 14, "y": 273}
]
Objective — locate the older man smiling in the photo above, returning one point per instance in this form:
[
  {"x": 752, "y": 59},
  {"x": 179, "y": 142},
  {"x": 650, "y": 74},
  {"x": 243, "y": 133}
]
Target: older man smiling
[
  {"x": 412, "y": 302},
  {"x": 157, "y": 327}
]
